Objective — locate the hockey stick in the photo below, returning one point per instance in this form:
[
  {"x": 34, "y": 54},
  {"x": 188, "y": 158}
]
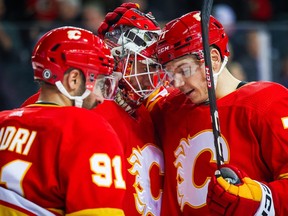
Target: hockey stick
[{"x": 205, "y": 18}]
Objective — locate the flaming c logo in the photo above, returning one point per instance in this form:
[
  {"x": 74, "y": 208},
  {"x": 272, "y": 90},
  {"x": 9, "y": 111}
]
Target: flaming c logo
[
  {"x": 74, "y": 34},
  {"x": 186, "y": 154},
  {"x": 142, "y": 161}
]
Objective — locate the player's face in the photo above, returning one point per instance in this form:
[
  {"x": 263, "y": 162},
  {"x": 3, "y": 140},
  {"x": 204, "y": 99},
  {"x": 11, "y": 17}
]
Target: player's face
[
  {"x": 103, "y": 87},
  {"x": 143, "y": 76},
  {"x": 188, "y": 75},
  {"x": 93, "y": 99}
]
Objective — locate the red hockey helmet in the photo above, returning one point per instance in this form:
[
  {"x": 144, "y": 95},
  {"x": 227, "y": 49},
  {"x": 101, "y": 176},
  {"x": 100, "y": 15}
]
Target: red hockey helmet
[
  {"x": 70, "y": 47},
  {"x": 183, "y": 36}
]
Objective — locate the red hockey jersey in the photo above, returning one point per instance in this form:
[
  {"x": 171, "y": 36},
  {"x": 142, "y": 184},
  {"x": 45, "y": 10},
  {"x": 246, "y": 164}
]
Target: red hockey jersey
[
  {"x": 144, "y": 159},
  {"x": 64, "y": 159},
  {"x": 254, "y": 128}
]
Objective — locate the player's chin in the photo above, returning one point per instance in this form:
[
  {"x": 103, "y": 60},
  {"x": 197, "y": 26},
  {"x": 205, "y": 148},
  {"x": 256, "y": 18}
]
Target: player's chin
[
  {"x": 192, "y": 96},
  {"x": 95, "y": 104},
  {"x": 196, "y": 99},
  {"x": 91, "y": 104}
]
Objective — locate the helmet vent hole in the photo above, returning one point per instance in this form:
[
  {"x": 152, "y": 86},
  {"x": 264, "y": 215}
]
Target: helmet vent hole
[
  {"x": 177, "y": 44},
  {"x": 55, "y": 47},
  {"x": 63, "y": 56},
  {"x": 52, "y": 60},
  {"x": 188, "y": 39},
  {"x": 182, "y": 46},
  {"x": 216, "y": 24}
]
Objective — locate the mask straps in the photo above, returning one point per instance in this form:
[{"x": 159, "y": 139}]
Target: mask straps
[
  {"x": 78, "y": 99},
  {"x": 215, "y": 75}
]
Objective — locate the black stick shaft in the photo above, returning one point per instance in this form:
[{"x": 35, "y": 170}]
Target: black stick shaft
[{"x": 205, "y": 18}]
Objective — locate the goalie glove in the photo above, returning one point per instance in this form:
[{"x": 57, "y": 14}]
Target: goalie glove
[
  {"x": 113, "y": 17},
  {"x": 232, "y": 192}
]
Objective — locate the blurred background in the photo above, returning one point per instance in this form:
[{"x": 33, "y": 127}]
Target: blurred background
[{"x": 258, "y": 32}]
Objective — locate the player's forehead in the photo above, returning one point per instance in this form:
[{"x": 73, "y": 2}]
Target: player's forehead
[{"x": 179, "y": 62}]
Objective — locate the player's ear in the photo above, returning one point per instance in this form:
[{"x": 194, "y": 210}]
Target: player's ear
[
  {"x": 73, "y": 80},
  {"x": 215, "y": 59}
]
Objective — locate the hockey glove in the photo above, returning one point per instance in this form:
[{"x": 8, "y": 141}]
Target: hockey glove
[
  {"x": 232, "y": 192},
  {"x": 113, "y": 17}
]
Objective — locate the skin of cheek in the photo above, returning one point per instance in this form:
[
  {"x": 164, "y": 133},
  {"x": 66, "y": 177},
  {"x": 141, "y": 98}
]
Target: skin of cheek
[
  {"x": 91, "y": 101},
  {"x": 142, "y": 79},
  {"x": 199, "y": 84}
]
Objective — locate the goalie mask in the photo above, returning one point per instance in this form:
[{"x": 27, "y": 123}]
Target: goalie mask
[{"x": 133, "y": 41}]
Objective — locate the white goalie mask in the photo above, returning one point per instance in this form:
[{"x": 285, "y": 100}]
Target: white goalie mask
[{"x": 134, "y": 52}]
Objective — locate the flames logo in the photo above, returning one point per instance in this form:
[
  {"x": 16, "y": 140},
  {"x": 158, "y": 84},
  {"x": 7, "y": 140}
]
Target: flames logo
[
  {"x": 142, "y": 161},
  {"x": 186, "y": 154}
]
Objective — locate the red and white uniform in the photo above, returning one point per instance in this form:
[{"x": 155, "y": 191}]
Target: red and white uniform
[
  {"x": 254, "y": 127},
  {"x": 67, "y": 160},
  {"x": 144, "y": 159}
]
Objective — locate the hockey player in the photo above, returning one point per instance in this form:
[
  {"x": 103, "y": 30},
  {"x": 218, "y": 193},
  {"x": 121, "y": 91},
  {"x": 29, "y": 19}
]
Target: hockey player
[
  {"x": 58, "y": 158},
  {"x": 132, "y": 37},
  {"x": 253, "y": 119}
]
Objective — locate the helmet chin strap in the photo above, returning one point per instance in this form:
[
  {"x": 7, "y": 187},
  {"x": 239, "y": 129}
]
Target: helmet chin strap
[
  {"x": 78, "y": 99},
  {"x": 215, "y": 75}
]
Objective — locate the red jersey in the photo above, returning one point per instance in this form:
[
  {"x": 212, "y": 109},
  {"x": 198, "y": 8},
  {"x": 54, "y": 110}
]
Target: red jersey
[
  {"x": 64, "y": 159},
  {"x": 254, "y": 128},
  {"x": 144, "y": 159}
]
